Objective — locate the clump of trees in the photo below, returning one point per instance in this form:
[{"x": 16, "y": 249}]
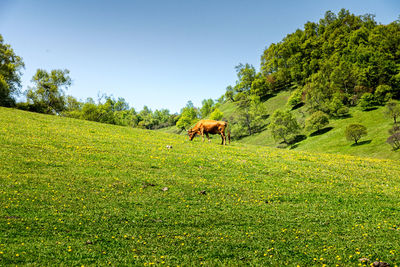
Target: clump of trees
[{"x": 117, "y": 111}]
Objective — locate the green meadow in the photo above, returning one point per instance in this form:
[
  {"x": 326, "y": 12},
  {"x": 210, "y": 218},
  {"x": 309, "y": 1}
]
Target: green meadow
[{"x": 74, "y": 192}]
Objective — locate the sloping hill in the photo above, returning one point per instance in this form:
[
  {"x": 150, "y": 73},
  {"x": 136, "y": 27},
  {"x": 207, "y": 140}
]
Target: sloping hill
[
  {"x": 333, "y": 139},
  {"x": 77, "y": 192}
]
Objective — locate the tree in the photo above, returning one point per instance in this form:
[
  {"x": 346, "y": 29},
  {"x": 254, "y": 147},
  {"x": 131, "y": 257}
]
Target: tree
[
  {"x": 250, "y": 113},
  {"x": 10, "y": 74},
  {"x": 207, "y": 107},
  {"x": 296, "y": 97},
  {"x": 188, "y": 116},
  {"x": 317, "y": 120},
  {"x": 355, "y": 131},
  {"x": 229, "y": 94},
  {"x": 383, "y": 93},
  {"x": 283, "y": 125},
  {"x": 392, "y": 110},
  {"x": 216, "y": 115},
  {"x": 246, "y": 75},
  {"x": 48, "y": 92},
  {"x": 367, "y": 101},
  {"x": 394, "y": 140}
]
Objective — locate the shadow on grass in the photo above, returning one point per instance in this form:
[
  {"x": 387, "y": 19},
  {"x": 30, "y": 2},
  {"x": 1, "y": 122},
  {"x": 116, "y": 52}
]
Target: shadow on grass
[
  {"x": 294, "y": 146},
  {"x": 293, "y": 142},
  {"x": 346, "y": 116},
  {"x": 362, "y": 143},
  {"x": 370, "y": 109},
  {"x": 297, "y": 106},
  {"x": 322, "y": 131}
]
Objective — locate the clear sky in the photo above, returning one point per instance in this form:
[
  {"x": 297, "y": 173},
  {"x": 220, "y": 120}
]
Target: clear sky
[{"x": 158, "y": 53}]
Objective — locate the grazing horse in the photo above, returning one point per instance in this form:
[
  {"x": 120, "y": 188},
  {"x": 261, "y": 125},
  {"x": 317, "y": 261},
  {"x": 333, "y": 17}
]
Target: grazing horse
[{"x": 210, "y": 127}]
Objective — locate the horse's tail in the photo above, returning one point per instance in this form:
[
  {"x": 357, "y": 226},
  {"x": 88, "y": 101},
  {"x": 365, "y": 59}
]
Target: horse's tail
[{"x": 229, "y": 132}]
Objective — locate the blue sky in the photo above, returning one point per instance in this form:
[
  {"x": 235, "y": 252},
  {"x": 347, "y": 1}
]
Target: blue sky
[{"x": 158, "y": 53}]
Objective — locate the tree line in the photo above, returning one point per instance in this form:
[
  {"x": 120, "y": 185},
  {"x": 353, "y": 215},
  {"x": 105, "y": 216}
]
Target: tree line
[{"x": 48, "y": 96}]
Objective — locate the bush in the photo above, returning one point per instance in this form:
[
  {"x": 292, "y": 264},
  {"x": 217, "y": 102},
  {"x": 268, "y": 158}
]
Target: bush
[{"x": 355, "y": 131}]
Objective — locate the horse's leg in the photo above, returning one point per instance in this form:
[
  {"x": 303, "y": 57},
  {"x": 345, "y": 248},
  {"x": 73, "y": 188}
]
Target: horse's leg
[
  {"x": 222, "y": 137},
  {"x": 208, "y": 138},
  {"x": 202, "y": 134}
]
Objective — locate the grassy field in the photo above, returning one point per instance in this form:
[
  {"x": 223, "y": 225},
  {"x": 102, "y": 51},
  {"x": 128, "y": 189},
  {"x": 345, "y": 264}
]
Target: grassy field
[{"x": 75, "y": 192}]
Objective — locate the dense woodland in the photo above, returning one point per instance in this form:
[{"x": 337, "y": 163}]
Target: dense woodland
[{"x": 342, "y": 61}]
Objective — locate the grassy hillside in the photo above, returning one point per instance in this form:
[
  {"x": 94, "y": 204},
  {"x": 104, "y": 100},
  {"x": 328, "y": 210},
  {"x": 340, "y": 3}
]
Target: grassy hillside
[
  {"x": 77, "y": 192},
  {"x": 333, "y": 140}
]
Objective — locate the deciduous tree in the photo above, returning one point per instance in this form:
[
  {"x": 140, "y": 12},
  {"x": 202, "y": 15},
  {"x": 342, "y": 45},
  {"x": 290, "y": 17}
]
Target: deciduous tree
[
  {"x": 11, "y": 66},
  {"x": 48, "y": 92},
  {"x": 393, "y": 110},
  {"x": 355, "y": 131},
  {"x": 283, "y": 125}
]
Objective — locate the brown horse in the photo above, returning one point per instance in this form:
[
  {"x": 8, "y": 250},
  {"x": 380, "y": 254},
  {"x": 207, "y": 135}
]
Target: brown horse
[{"x": 210, "y": 127}]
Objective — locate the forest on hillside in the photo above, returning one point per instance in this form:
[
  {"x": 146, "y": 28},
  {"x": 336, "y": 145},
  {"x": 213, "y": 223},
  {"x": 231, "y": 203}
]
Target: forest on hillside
[{"x": 342, "y": 61}]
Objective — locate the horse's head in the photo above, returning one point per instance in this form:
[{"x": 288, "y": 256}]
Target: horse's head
[{"x": 191, "y": 134}]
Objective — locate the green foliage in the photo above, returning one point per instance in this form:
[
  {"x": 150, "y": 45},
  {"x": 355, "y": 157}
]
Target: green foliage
[
  {"x": 208, "y": 106},
  {"x": 229, "y": 94},
  {"x": 283, "y": 125},
  {"x": 383, "y": 93},
  {"x": 355, "y": 131},
  {"x": 10, "y": 74},
  {"x": 367, "y": 101},
  {"x": 188, "y": 117},
  {"x": 249, "y": 116},
  {"x": 330, "y": 62},
  {"x": 336, "y": 106},
  {"x": 216, "y": 115},
  {"x": 296, "y": 97},
  {"x": 48, "y": 92},
  {"x": 246, "y": 75},
  {"x": 392, "y": 110},
  {"x": 112, "y": 111},
  {"x": 317, "y": 121}
]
